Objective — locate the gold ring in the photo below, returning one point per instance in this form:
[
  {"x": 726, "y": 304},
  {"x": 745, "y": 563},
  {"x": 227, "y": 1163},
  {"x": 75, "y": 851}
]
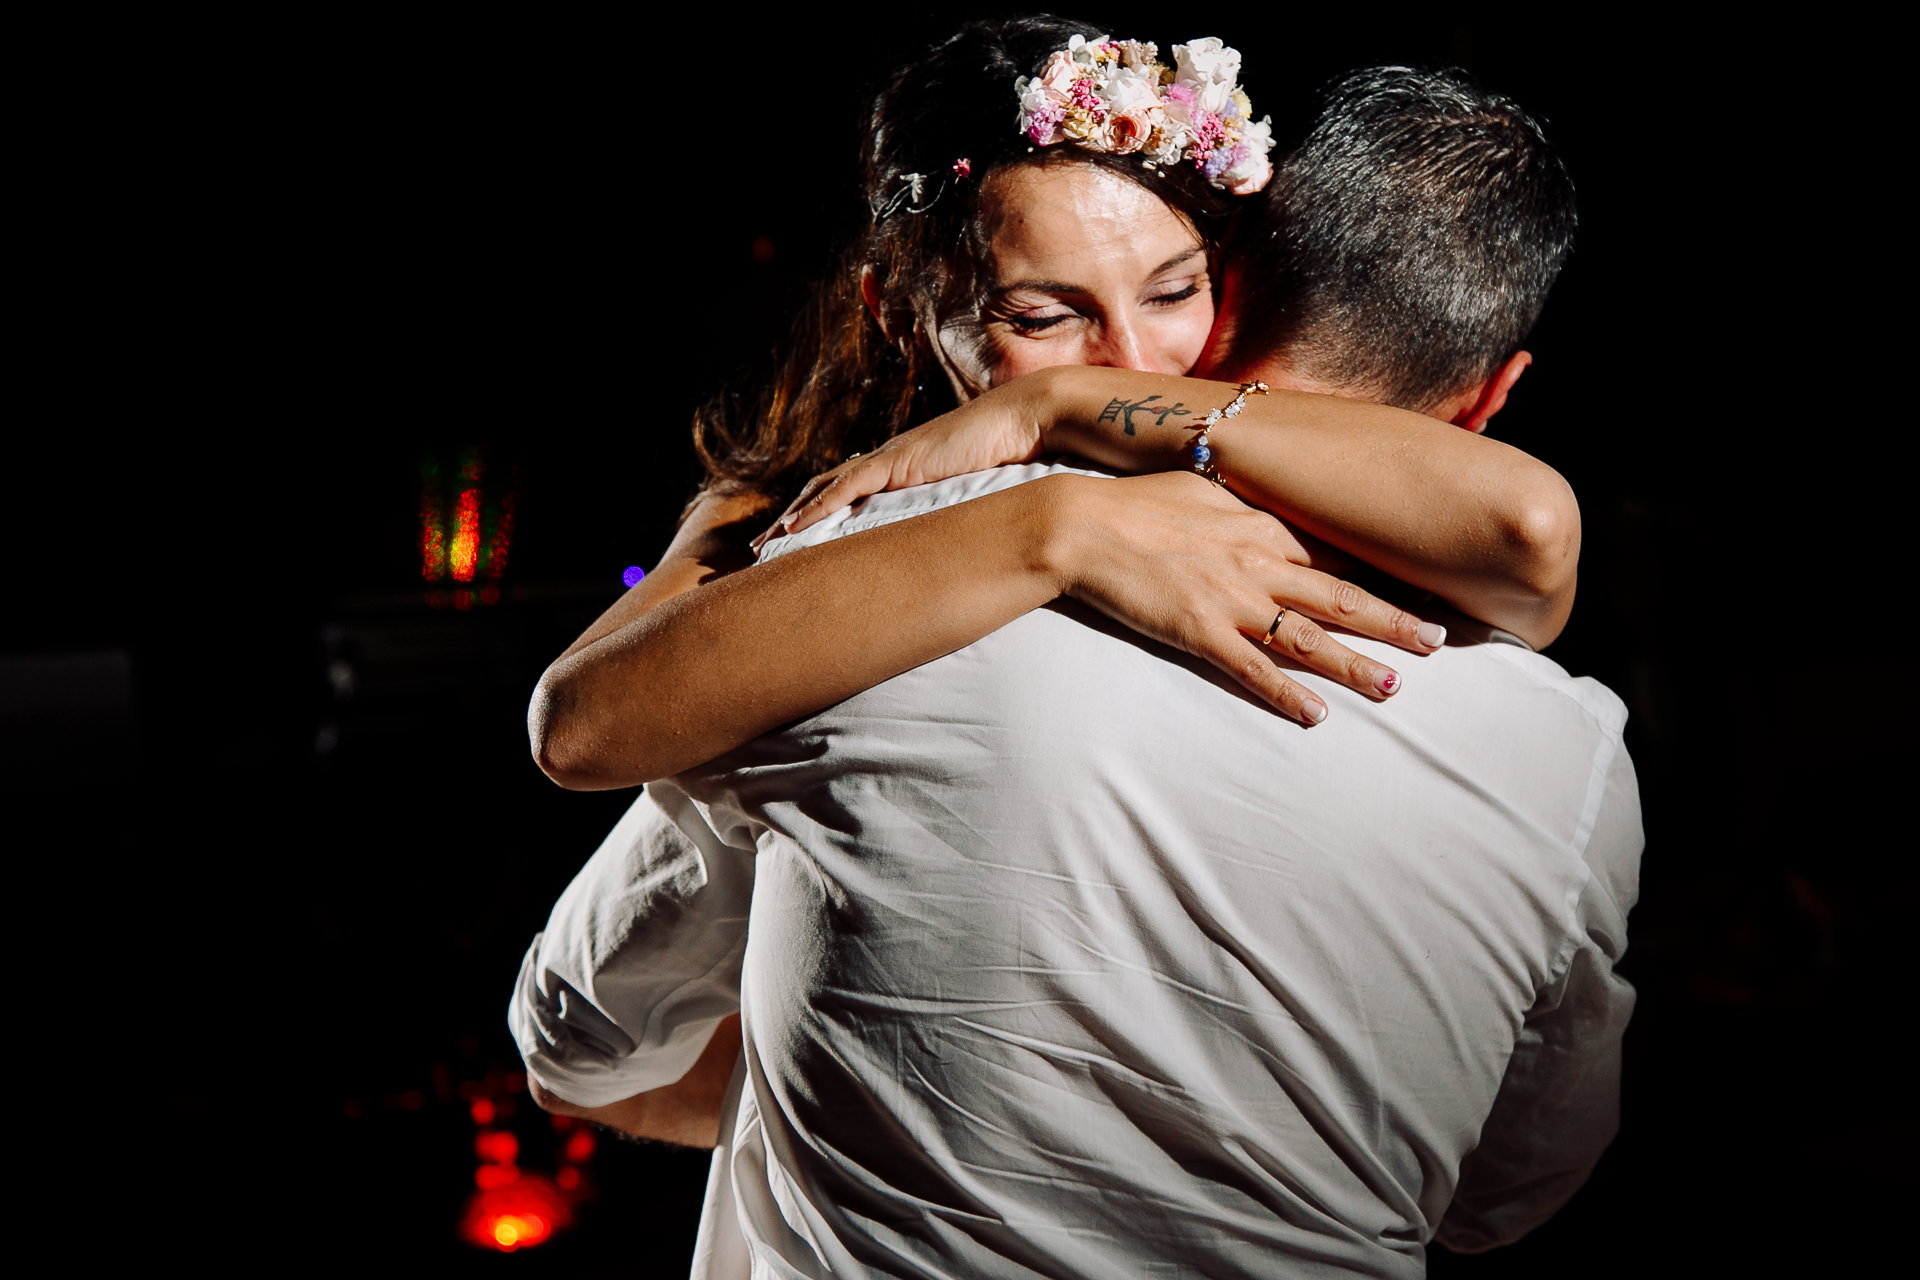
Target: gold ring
[{"x": 1277, "y": 620}]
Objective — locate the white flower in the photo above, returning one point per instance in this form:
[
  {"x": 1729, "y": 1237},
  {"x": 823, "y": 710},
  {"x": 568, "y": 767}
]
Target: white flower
[
  {"x": 1082, "y": 49},
  {"x": 1214, "y": 96},
  {"x": 1259, "y": 135},
  {"x": 1207, "y": 61},
  {"x": 1254, "y": 170},
  {"x": 1247, "y": 177},
  {"x": 1129, "y": 91},
  {"x": 1167, "y": 143}
]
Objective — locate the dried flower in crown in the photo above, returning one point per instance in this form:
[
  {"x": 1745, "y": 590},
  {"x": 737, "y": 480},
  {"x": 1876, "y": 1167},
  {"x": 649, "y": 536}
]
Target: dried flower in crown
[{"x": 1116, "y": 96}]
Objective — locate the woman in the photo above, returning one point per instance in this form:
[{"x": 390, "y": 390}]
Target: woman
[{"x": 991, "y": 254}]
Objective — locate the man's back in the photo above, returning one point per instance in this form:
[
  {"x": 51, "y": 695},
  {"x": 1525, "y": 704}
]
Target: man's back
[{"x": 1066, "y": 958}]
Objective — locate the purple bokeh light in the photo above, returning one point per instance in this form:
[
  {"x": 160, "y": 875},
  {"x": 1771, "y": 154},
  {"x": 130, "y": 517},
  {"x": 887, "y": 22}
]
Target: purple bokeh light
[{"x": 633, "y": 575}]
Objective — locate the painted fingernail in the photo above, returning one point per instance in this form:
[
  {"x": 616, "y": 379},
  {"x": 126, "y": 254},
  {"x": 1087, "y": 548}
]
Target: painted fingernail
[
  {"x": 1386, "y": 682},
  {"x": 1432, "y": 634},
  {"x": 1313, "y": 711}
]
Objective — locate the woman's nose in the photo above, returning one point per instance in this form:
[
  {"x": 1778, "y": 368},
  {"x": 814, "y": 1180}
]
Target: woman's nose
[{"x": 1119, "y": 347}]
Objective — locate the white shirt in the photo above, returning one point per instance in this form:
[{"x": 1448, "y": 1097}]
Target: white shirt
[{"x": 1069, "y": 959}]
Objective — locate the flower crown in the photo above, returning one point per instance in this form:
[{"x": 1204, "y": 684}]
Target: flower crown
[{"x": 1115, "y": 96}]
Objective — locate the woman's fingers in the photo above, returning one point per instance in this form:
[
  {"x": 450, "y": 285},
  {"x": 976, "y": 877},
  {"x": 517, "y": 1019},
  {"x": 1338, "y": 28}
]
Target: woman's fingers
[
  {"x": 996, "y": 428},
  {"x": 829, "y": 491},
  {"x": 1251, "y": 654},
  {"x": 1256, "y": 670},
  {"x": 1334, "y": 600},
  {"x": 1296, "y": 636}
]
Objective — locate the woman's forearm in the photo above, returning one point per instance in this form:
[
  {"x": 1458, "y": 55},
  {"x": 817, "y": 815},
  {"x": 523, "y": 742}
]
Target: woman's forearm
[
  {"x": 1479, "y": 523},
  {"x": 691, "y": 674},
  {"x": 698, "y": 665}
]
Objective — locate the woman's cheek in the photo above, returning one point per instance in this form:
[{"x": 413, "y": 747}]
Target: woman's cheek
[
  {"x": 969, "y": 355},
  {"x": 1015, "y": 357},
  {"x": 1188, "y": 337}
]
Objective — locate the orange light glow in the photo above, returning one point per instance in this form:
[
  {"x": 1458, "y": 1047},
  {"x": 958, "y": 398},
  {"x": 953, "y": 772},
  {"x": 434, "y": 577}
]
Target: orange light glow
[
  {"x": 497, "y": 1145},
  {"x": 514, "y": 1230},
  {"x": 466, "y": 535},
  {"x": 489, "y": 1176},
  {"x": 516, "y": 1215}
]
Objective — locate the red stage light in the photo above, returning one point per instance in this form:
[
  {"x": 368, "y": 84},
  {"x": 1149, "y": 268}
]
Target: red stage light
[
  {"x": 497, "y": 1145},
  {"x": 516, "y": 1215},
  {"x": 482, "y": 1111},
  {"x": 580, "y": 1146},
  {"x": 489, "y": 1176},
  {"x": 466, "y": 535}
]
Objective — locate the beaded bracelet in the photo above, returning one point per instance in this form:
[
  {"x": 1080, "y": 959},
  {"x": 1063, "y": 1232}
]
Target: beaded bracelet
[{"x": 1201, "y": 450}]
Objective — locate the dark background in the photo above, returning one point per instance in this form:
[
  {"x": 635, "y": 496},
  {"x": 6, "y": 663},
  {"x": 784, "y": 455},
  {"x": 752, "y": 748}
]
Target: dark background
[{"x": 280, "y": 846}]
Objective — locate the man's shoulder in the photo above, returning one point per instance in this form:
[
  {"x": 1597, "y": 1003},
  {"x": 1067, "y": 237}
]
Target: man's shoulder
[{"x": 1475, "y": 644}]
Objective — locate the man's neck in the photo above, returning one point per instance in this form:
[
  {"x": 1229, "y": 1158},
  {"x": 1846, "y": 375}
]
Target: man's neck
[{"x": 1276, "y": 373}]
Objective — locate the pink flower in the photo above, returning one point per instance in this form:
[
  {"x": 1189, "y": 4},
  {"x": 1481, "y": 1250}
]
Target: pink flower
[
  {"x": 1207, "y": 133},
  {"x": 1128, "y": 133},
  {"x": 962, "y": 167},
  {"x": 1086, "y": 99},
  {"x": 1058, "y": 75},
  {"x": 1043, "y": 126}
]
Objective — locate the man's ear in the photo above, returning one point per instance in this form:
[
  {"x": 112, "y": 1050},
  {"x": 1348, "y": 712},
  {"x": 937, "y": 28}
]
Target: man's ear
[
  {"x": 1226, "y": 311},
  {"x": 870, "y": 294},
  {"x": 1475, "y": 407}
]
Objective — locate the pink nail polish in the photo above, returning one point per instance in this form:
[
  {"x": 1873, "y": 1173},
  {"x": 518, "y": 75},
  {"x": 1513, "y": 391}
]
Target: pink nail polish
[
  {"x": 1387, "y": 682},
  {"x": 1432, "y": 634}
]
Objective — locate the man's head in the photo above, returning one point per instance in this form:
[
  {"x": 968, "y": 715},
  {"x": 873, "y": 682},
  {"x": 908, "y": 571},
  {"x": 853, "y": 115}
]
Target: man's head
[{"x": 1403, "y": 253}]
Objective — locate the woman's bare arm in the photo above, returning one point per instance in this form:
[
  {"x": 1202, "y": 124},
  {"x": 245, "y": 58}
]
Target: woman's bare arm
[{"x": 1479, "y": 523}]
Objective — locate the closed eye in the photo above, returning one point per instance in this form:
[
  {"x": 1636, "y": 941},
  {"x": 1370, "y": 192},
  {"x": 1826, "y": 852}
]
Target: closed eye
[
  {"x": 1029, "y": 323},
  {"x": 1179, "y": 293}
]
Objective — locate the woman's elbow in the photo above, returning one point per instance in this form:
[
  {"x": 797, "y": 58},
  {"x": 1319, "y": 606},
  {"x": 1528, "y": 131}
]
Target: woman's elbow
[
  {"x": 1543, "y": 539},
  {"x": 545, "y": 734},
  {"x": 1544, "y": 534},
  {"x": 555, "y": 734}
]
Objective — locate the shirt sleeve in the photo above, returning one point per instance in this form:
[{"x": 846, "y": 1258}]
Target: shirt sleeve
[
  {"x": 1559, "y": 1103},
  {"x": 640, "y": 958}
]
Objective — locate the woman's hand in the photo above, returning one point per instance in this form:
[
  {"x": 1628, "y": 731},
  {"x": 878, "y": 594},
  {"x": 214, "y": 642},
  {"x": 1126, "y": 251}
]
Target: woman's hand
[
  {"x": 1000, "y": 427},
  {"x": 1184, "y": 562}
]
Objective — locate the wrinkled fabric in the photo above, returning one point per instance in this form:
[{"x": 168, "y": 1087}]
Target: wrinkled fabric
[{"x": 1067, "y": 958}]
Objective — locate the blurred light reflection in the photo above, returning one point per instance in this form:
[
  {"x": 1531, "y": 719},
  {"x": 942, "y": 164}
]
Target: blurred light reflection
[{"x": 466, "y": 527}]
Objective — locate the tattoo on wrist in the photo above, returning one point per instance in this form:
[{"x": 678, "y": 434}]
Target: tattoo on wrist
[{"x": 1122, "y": 411}]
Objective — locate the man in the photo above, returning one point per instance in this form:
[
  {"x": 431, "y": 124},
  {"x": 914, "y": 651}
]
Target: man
[{"x": 1067, "y": 958}]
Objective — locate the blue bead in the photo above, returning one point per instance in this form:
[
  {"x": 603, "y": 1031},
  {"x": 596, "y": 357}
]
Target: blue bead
[{"x": 1201, "y": 455}]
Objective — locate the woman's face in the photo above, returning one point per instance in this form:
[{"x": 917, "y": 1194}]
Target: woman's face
[{"x": 1085, "y": 268}]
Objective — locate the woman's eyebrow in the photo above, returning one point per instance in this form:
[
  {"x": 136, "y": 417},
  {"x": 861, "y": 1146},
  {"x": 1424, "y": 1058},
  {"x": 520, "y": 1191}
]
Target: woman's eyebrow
[
  {"x": 1177, "y": 259},
  {"x": 1060, "y": 286}
]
